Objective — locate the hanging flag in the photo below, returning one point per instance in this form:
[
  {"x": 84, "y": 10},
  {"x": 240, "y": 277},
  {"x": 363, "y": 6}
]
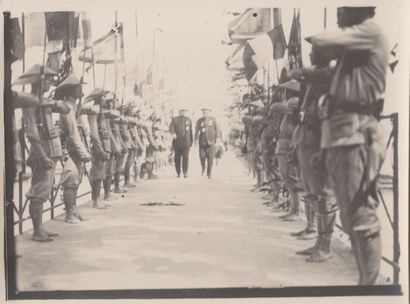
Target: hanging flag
[
  {"x": 17, "y": 44},
  {"x": 295, "y": 43},
  {"x": 34, "y": 29},
  {"x": 62, "y": 26},
  {"x": 249, "y": 64},
  {"x": 103, "y": 48},
  {"x": 234, "y": 62},
  {"x": 251, "y": 23},
  {"x": 86, "y": 29},
  {"x": 277, "y": 37}
]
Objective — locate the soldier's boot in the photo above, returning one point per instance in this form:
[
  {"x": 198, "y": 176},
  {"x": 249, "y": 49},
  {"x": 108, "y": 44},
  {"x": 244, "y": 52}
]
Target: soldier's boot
[
  {"x": 319, "y": 237},
  {"x": 108, "y": 196},
  {"x": 69, "y": 198},
  {"x": 96, "y": 197},
  {"x": 117, "y": 188},
  {"x": 310, "y": 228},
  {"x": 368, "y": 253},
  {"x": 77, "y": 213},
  {"x": 293, "y": 215},
  {"x": 323, "y": 253},
  {"x": 150, "y": 169},
  {"x": 127, "y": 176},
  {"x": 36, "y": 214},
  {"x": 203, "y": 165}
]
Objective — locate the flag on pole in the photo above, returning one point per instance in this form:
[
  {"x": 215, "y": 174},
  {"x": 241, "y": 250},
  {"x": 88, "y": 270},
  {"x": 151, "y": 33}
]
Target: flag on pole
[
  {"x": 62, "y": 26},
  {"x": 86, "y": 29},
  {"x": 149, "y": 75},
  {"x": 295, "y": 43},
  {"x": 104, "y": 48},
  {"x": 34, "y": 29},
  {"x": 17, "y": 44}
]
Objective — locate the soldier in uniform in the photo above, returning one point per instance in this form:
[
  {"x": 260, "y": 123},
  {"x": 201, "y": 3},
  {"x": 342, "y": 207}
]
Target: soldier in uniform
[
  {"x": 350, "y": 136},
  {"x": 69, "y": 91},
  {"x": 45, "y": 145},
  {"x": 100, "y": 144},
  {"x": 149, "y": 165},
  {"x": 123, "y": 137},
  {"x": 319, "y": 199},
  {"x": 206, "y": 135},
  {"x": 130, "y": 124},
  {"x": 117, "y": 150},
  {"x": 181, "y": 131},
  {"x": 289, "y": 171}
]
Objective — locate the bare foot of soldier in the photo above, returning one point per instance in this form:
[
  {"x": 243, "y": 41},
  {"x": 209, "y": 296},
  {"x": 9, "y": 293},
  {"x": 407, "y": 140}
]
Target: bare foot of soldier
[
  {"x": 319, "y": 256},
  {"x": 308, "y": 251},
  {"x": 98, "y": 205},
  {"x": 71, "y": 219},
  {"x": 303, "y": 232},
  {"x": 49, "y": 233},
  {"x": 41, "y": 237},
  {"x": 120, "y": 191},
  {"x": 129, "y": 185},
  {"x": 79, "y": 216},
  {"x": 294, "y": 217}
]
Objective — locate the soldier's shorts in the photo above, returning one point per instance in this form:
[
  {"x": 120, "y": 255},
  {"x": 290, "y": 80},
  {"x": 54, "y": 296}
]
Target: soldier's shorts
[
  {"x": 111, "y": 165},
  {"x": 317, "y": 185},
  {"x": 120, "y": 165},
  {"x": 73, "y": 172},
  {"x": 98, "y": 169},
  {"x": 41, "y": 182},
  {"x": 289, "y": 173},
  {"x": 258, "y": 161},
  {"x": 358, "y": 212}
]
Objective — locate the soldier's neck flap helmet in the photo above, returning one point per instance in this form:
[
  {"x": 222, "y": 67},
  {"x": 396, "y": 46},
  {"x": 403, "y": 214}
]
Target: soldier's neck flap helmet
[{"x": 33, "y": 75}]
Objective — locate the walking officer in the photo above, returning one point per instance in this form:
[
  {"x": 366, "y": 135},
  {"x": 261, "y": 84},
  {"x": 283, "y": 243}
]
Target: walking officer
[
  {"x": 206, "y": 135},
  {"x": 45, "y": 145},
  {"x": 69, "y": 91},
  {"x": 181, "y": 131},
  {"x": 351, "y": 138}
]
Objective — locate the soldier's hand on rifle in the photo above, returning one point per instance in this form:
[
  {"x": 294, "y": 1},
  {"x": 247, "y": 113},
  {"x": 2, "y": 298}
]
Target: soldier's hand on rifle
[{"x": 47, "y": 163}]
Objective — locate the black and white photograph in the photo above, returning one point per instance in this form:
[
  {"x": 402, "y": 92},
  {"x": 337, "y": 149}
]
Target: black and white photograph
[{"x": 196, "y": 150}]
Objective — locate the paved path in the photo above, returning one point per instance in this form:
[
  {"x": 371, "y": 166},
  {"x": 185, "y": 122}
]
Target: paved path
[{"x": 219, "y": 234}]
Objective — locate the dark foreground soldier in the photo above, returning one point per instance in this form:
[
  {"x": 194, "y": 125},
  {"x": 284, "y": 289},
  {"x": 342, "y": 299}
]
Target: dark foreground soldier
[
  {"x": 350, "y": 134},
  {"x": 69, "y": 91},
  {"x": 319, "y": 199},
  {"x": 181, "y": 131},
  {"x": 45, "y": 145},
  {"x": 206, "y": 134}
]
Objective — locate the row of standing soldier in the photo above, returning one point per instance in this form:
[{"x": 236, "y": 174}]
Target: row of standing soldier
[
  {"x": 117, "y": 141},
  {"x": 328, "y": 144}
]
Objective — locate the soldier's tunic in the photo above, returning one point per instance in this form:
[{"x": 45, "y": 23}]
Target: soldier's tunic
[
  {"x": 44, "y": 143},
  {"x": 77, "y": 152}
]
